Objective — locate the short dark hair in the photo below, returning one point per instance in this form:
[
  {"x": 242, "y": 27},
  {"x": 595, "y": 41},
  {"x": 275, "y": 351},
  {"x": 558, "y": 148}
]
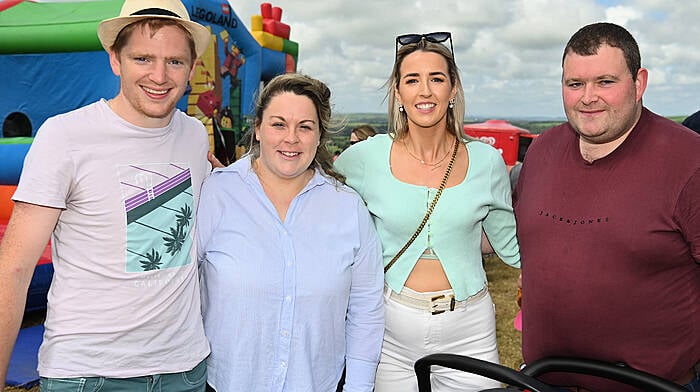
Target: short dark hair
[
  {"x": 693, "y": 121},
  {"x": 588, "y": 40}
]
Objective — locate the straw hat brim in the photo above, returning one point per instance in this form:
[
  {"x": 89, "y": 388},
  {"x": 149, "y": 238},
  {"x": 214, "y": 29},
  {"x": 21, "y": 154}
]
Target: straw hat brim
[{"x": 108, "y": 30}]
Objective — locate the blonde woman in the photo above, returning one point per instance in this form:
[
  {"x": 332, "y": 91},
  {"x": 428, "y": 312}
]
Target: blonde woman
[{"x": 436, "y": 296}]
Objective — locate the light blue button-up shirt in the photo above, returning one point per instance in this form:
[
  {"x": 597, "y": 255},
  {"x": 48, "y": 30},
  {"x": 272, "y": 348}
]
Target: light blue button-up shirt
[{"x": 287, "y": 304}]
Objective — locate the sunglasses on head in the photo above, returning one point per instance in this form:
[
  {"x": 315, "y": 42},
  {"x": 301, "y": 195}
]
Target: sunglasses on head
[{"x": 436, "y": 37}]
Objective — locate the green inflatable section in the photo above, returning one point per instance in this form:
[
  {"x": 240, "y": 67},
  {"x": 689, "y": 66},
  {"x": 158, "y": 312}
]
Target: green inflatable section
[
  {"x": 54, "y": 27},
  {"x": 16, "y": 140},
  {"x": 290, "y": 47}
]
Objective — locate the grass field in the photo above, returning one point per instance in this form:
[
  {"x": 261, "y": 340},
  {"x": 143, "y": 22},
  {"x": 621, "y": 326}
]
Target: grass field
[
  {"x": 502, "y": 285},
  {"x": 503, "y": 288}
]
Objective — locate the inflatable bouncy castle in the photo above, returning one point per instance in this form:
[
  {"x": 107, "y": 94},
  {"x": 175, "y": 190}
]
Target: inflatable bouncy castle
[
  {"x": 51, "y": 62},
  {"x": 231, "y": 71}
]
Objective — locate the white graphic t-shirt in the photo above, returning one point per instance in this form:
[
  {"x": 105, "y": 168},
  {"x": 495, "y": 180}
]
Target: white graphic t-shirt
[{"x": 124, "y": 301}]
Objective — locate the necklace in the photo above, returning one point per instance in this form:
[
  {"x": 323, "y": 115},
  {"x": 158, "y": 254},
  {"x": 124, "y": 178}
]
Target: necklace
[{"x": 434, "y": 165}]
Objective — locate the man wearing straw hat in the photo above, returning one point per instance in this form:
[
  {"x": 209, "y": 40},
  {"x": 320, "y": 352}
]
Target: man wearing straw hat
[{"x": 116, "y": 184}]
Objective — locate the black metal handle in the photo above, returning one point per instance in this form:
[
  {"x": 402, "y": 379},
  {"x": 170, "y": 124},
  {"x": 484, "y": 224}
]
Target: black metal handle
[
  {"x": 472, "y": 365},
  {"x": 611, "y": 371}
]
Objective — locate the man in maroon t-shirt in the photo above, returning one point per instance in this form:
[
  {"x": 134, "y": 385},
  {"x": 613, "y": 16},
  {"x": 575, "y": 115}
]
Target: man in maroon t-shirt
[{"x": 608, "y": 213}]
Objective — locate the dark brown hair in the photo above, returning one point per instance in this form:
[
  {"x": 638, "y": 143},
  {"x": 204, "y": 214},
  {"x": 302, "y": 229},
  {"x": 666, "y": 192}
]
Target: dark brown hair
[
  {"x": 363, "y": 131},
  {"x": 320, "y": 95},
  {"x": 588, "y": 40}
]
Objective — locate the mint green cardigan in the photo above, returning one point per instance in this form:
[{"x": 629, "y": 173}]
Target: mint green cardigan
[{"x": 481, "y": 201}]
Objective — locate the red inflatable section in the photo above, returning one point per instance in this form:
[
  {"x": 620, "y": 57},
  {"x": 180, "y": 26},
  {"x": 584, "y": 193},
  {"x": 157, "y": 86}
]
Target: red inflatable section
[
  {"x": 290, "y": 64},
  {"x": 6, "y": 205},
  {"x": 6, "y": 192},
  {"x": 5, "y": 4},
  {"x": 272, "y": 21}
]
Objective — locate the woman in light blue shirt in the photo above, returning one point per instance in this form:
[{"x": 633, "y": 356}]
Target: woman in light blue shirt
[{"x": 290, "y": 259}]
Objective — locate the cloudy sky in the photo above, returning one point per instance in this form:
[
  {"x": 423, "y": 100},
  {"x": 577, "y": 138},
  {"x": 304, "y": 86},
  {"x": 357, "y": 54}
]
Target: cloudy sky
[{"x": 509, "y": 51}]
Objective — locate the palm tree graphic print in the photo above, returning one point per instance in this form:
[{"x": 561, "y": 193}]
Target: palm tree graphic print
[{"x": 159, "y": 210}]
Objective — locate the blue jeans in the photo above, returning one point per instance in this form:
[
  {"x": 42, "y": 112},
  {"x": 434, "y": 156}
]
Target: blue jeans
[
  {"x": 190, "y": 381},
  {"x": 694, "y": 384}
]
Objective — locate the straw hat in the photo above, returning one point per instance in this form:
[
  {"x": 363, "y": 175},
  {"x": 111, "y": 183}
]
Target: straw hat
[{"x": 135, "y": 10}]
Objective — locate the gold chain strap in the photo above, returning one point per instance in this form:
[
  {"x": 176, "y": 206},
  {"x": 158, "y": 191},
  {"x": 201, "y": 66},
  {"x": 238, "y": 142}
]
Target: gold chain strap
[{"x": 430, "y": 208}]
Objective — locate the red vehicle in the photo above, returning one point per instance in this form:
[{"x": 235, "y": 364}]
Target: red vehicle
[{"x": 510, "y": 140}]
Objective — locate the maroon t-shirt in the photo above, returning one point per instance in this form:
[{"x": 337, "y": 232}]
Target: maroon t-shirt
[{"x": 611, "y": 251}]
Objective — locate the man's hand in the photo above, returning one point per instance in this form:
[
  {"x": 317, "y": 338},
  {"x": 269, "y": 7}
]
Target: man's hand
[{"x": 215, "y": 163}]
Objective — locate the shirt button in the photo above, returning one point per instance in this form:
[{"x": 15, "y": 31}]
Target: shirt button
[
  {"x": 285, "y": 333},
  {"x": 283, "y": 364},
  {"x": 288, "y": 298}
]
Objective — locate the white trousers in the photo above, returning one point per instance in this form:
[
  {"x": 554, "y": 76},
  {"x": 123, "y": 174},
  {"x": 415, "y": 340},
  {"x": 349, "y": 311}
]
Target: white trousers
[{"x": 413, "y": 333}]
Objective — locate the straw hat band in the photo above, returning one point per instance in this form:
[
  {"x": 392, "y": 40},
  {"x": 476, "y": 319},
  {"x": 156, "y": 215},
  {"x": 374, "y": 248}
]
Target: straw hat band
[{"x": 156, "y": 11}]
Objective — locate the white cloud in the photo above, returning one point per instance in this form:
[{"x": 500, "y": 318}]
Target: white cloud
[
  {"x": 509, "y": 51},
  {"x": 622, "y": 15}
]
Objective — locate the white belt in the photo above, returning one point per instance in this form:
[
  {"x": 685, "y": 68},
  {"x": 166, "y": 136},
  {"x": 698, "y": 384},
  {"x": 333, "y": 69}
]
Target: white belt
[{"x": 435, "y": 304}]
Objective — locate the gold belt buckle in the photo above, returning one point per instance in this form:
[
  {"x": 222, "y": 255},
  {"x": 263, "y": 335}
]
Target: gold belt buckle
[{"x": 452, "y": 304}]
